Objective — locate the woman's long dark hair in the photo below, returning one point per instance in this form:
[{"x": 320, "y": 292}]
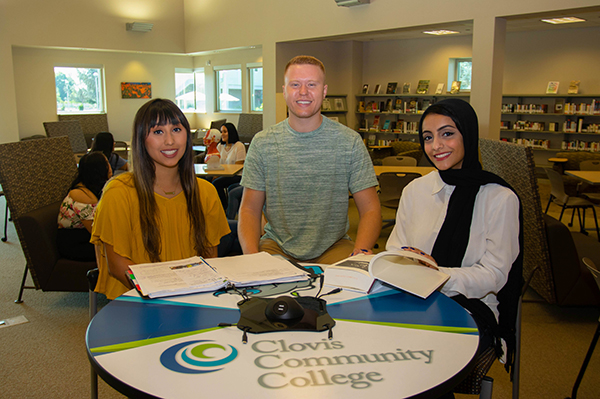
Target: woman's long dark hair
[
  {"x": 104, "y": 141},
  {"x": 233, "y": 136},
  {"x": 92, "y": 173},
  {"x": 159, "y": 112}
]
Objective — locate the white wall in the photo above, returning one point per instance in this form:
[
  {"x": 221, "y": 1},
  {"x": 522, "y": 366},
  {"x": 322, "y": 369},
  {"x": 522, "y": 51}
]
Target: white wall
[
  {"x": 535, "y": 58},
  {"x": 201, "y": 25},
  {"x": 36, "y": 93},
  {"x": 96, "y": 24}
]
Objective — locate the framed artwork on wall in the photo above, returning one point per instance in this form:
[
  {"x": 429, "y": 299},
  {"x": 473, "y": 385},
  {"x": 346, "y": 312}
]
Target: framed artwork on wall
[{"x": 136, "y": 90}]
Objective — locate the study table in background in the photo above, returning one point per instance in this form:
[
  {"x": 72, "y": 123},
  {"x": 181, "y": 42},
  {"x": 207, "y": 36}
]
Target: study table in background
[
  {"x": 588, "y": 176},
  {"x": 389, "y": 344},
  {"x": 228, "y": 170}
]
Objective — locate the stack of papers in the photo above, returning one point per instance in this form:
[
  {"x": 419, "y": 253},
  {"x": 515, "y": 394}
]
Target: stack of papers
[{"x": 196, "y": 274}]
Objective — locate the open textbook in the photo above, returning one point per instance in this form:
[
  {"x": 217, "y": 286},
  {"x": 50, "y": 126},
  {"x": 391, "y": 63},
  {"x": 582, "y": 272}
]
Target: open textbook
[
  {"x": 401, "y": 269},
  {"x": 196, "y": 274}
]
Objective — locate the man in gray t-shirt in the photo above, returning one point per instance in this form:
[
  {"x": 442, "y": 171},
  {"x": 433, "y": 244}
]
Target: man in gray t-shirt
[{"x": 300, "y": 171}]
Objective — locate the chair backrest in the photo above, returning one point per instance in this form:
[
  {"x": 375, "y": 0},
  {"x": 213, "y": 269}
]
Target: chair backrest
[
  {"x": 248, "y": 126},
  {"x": 35, "y": 174},
  {"x": 90, "y": 124},
  {"x": 589, "y": 165},
  {"x": 217, "y": 124},
  {"x": 515, "y": 164},
  {"x": 557, "y": 186},
  {"x": 392, "y": 185},
  {"x": 71, "y": 129},
  {"x": 399, "y": 161}
]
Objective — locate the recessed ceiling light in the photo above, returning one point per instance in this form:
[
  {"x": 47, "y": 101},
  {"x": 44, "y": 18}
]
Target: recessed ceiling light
[
  {"x": 441, "y": 32},
  {"x": 564, "y": 20}
]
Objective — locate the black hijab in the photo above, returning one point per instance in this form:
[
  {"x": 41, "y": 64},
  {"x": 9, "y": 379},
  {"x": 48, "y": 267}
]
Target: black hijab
[{"x": 452, "y": 240}]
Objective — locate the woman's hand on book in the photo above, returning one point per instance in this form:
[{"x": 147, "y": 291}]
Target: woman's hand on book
[{"x": 418, "y": 251}]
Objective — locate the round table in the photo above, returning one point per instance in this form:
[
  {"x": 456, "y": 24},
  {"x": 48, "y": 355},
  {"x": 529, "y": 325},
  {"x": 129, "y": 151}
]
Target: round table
[{"x": 384, "y": 344}]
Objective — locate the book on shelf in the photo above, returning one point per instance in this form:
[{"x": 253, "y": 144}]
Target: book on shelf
[
  {"x": 573, "y": 87},
  {"x": 375, "y": 125},
  {"x": 196, "y": 274},
  {"x": 406, "y": 88},
  {"x": 559, "y": 105},
  {"x": 377, "y": 89},
  {"x": 425, "y": 103},
  {"x": 372, "y": 139},
  {"x": 334, "y": 118},
  {"x": 364, "y": 125},
  {"x": 326, "y": 105},
  {"x": 391, "y": 88},
  {"x": 552, "y": 87},
  {"x": 439, "y": 89},
  {"x": 388, "y": 105},
  {"x": 398, "y": 105},
  {"x": 423, "y": 87},
  {"x": 365, "y": 88},
  {"x": 361, "y": 106},
  {"x": 455, "y": 89},
  {"x": 386, "y": 125},
  {"x": 400, "y": 269},
  {"x": 339, "y": 104}
]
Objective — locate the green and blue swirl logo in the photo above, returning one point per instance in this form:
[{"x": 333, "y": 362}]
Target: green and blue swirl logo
[{"x": 197, "y": 357}]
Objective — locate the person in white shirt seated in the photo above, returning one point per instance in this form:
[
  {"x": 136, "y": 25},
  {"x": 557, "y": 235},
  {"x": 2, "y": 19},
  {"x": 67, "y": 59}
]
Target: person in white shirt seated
[
  {"x": 232, "y": 151},
  {"x": 469, "y": 221}
]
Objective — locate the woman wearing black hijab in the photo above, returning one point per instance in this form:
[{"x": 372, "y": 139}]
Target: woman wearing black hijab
[{"x": 469, "y": 220}]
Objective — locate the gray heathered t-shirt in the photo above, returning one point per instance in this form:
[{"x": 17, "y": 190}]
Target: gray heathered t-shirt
[{"x": 306, "y": 178}]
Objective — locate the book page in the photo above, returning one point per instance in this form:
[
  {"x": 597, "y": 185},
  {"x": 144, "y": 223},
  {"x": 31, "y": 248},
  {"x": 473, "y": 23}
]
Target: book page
[
  {"x": 260, "y": 268},
  {"x": 406, "y": 273},
  {"x": 175, "y": 275}
]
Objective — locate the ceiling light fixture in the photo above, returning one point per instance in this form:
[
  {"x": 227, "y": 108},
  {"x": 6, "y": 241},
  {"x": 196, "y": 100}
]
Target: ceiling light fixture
[
  {"x": 138, "y": 26},
  {"x": 441, "y": 32},
  {"x": 351, "y": 3},
  {"x": 563, "y": 20}
]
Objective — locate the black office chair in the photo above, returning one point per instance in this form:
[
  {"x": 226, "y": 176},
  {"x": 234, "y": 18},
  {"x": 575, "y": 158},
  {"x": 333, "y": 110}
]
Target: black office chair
[{"x": 559, "y": 197}]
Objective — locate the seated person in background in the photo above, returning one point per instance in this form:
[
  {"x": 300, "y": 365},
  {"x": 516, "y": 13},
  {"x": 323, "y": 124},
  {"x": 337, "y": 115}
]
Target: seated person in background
[
  {"x": 232, "y": 151},
  {"x": 105, "y": 142},
  {"x": 160, "y": 211},
  {"x": 77, "y": 209},
  {"x": 301, "y": 171},
  {"x": 468, "y": 220}
]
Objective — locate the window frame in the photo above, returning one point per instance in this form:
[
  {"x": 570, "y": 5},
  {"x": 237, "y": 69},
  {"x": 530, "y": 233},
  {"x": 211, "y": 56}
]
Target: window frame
[
  {"x": 453, "y": 70},
  {"x": 250, "y": 67},
  {"x": 101, "y": 89},
  {"x": 217, "y": 70},
  {"x": 194, "y": 72}
]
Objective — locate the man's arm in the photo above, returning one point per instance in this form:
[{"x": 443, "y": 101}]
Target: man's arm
[
  {"x": 369, "y": 224},
  {"x": 249, "y": 226}
]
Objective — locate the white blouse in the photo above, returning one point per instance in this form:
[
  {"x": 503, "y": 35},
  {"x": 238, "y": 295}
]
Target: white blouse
[
  {"x": 236, "y": 153},
  {"x": 493, "y": 243}
]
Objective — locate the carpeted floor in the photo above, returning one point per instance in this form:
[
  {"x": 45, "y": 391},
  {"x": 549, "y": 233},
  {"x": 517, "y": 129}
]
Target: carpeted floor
[{"x": 46, "y": 357}]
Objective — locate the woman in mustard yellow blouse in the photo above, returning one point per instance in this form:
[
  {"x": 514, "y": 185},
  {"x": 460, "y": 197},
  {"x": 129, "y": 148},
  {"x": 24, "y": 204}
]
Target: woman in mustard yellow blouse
[{"x": 160, "y": 211}]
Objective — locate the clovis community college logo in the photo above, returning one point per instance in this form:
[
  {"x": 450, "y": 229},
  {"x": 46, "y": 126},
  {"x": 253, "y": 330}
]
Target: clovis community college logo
[{"x": 197, "y": 357}]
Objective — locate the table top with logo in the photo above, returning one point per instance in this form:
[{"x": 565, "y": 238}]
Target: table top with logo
[{"x": 385, "y": 343}]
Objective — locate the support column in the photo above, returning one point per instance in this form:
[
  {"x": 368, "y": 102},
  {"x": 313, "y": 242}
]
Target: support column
[
  {"x": 489, "y": 38},
  {"x": 270, "y": 107}
]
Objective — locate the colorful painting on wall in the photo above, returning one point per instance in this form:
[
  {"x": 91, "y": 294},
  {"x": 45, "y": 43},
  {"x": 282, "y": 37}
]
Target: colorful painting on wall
[{"x": 136, "y": 90}]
